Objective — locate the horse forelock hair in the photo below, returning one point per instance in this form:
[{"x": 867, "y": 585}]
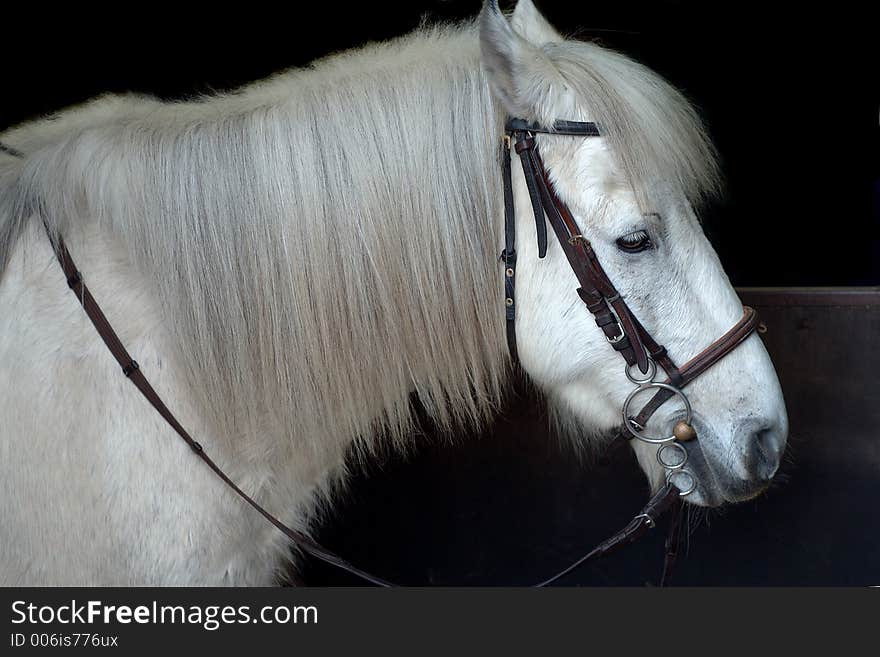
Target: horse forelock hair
[{"x": 650, "y": 127}]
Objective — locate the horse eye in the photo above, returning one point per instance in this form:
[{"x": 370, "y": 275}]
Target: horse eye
[{"x": 635, "y": 242}]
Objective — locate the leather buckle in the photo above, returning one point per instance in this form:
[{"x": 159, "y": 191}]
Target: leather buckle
[
  {"x": 649, "y": 521},
  {"x": 621, "y": 334}
]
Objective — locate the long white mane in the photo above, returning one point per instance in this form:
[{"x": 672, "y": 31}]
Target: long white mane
[{"x": 325, "y": 243}]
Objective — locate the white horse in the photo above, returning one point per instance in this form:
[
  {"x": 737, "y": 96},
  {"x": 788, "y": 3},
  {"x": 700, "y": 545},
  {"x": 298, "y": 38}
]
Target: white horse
[{"x": 290, "y": 263}]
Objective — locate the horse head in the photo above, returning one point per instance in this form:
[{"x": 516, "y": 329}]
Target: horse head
[{"x": 634, "y": 192}]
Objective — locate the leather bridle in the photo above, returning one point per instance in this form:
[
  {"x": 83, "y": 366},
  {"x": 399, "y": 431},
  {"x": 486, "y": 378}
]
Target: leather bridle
[{"x": 620, "y": 326}]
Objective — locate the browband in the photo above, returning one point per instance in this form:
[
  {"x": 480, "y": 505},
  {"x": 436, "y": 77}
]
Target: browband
[{"x": 572, "y": 128}]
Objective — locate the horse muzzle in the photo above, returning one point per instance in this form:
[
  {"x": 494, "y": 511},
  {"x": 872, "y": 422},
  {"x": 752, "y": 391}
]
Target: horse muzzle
[{"x": 736, "y": 467}]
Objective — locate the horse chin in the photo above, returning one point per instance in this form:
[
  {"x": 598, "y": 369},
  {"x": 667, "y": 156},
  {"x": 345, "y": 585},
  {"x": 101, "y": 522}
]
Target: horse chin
[
  {"x": 715, "y": 486},
  {"x": 705, "y": 498},
  {"x": 709, "y": 494}
]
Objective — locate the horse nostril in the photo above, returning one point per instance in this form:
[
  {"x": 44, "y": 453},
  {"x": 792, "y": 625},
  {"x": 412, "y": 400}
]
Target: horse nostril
[{"x": 765, "y": 449}]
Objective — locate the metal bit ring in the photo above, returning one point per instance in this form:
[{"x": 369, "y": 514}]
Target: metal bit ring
[
  {"x": 686, "y": 491},
  {"x": 675, "y": 465},
  {"x": 645, "y": 378},
  {"x": 647, "y": 386}
]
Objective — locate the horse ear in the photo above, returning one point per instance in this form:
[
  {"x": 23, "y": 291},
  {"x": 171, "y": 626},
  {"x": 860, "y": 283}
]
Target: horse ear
[
  {"x": 515, "y": 67},
  {"x": 531, "y": 24}
]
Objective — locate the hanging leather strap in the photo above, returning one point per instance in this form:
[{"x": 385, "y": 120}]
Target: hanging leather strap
[
  {"x": 534, "y": 196},
  {"x": 508, "y": 256},
  {"x": 660, "y": 503},
  {"x": 673, "y": 542},
  {"x": 131, "y": 369}
]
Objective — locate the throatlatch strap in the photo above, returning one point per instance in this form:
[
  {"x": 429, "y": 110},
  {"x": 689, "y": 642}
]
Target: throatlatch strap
[{"x": 508, "y": 256}]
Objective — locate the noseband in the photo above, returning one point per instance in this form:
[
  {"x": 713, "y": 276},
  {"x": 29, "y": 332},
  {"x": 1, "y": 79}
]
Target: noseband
[
  {"x": 620, "y": 326},
  {"x": 623, "y": 331}
]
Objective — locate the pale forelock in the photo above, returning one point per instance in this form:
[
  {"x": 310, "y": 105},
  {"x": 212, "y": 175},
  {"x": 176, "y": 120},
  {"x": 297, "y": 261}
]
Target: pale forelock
[{"x": 651, "y": 129}]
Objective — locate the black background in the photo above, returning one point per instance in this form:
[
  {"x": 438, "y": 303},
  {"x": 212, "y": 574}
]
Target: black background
[{"x": 790, "y": 92}]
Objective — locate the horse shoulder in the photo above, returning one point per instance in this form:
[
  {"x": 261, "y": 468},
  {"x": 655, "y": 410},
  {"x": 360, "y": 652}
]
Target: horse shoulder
[{"x": 96, "y": 488}]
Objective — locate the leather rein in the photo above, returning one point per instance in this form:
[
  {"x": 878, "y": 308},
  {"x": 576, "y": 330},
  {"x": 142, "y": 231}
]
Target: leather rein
[{"x": 620, "y": 326}]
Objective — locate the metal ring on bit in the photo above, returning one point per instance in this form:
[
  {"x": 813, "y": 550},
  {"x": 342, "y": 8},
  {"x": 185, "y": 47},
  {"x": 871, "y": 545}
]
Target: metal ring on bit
[
  {"x": 676, "y": 465},
  {"x": 647, "y": 377},
  {"x": 682, "y": 492},
  {"x": 628, "y": 421}
]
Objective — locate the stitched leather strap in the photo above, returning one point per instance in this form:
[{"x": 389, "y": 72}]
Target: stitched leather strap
[
  {"x": 508, "y": 257},
  {"x": 571, "y": 128},
  {"x": 523, "y": 148},
  {"x": 734, "y": 337}
]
